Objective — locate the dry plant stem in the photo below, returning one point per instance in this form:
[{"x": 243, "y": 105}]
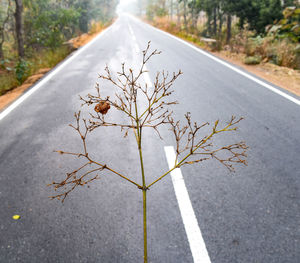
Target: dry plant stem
[
  {"x": 144, "y": 188},
  {"x": 190, "y": 144},
  {"x": 202, "y": 142}
]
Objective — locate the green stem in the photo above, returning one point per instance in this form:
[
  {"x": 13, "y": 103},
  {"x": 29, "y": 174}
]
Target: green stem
[
  {"x": 144, "y": 196},
  {"x": 144, "y": 188},
  {"x": 145, "y": 225}
]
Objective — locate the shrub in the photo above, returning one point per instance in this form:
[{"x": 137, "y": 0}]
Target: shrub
[
  {"x": 23, "y": 70},
  {"x": 254, "y": 60}
]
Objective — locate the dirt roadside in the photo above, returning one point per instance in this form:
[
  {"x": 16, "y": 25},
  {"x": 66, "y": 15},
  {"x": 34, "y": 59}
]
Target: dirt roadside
[{"x": 283, "y": 77}]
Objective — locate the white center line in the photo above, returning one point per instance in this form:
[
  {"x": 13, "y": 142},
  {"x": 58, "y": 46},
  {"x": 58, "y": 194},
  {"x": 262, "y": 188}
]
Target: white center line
[
  {"x": 193, "y": 232},
  {"x": 137, "y": 49}
]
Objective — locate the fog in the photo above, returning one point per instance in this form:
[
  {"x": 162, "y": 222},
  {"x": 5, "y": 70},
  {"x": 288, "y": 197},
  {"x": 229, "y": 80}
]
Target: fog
[{"x": 127, "y": 6}]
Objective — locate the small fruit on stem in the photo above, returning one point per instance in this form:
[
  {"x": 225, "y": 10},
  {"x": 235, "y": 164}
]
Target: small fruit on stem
[{"x": 102, "y": 107}]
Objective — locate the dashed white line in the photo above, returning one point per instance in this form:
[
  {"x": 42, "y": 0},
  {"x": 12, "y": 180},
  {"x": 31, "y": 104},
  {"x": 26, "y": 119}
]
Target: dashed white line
[
  {"x": 137, "y": 49},
  {"x": 273, "y": 89},
  {"x": 17, "y": 102},
  {"x": 193, "y": 232}
]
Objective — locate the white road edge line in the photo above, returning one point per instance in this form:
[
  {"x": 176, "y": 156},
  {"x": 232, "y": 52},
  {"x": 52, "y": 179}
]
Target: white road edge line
[
  {"x": 17, "y": 102},
  {"x": 193, "y": 232},
  {"x": 279, "y": 92}
]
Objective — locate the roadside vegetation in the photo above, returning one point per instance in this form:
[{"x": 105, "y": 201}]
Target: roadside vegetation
[
  {"x": 35, "y": 34},
  {"x": 260, "y": 30}
]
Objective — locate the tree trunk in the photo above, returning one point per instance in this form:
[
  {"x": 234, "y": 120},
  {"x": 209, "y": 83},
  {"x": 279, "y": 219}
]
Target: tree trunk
[
  {"x": 184, "y": 14},
  {"x": 1, "y": 52},
  {"x": 2, "y": 41},
  {"x": 208, "y": 24},
  {"x": 195, "y": 21},
  {"x": 228, "y": 37},
  {"x": 19, "y": 27},
  {"x": 192, "y": 14},
  {"x": 164, "y": 4},
  {"x": 2, "y": 29},
  {"x": 215, "y": 21},
  {"x": 140, "y": 7},
  {"x": 178, "y": 13},
  {"x": 220, "y": 14},
  {"x": 242, "y": 22},
  {"x": 171, "y": 10}
]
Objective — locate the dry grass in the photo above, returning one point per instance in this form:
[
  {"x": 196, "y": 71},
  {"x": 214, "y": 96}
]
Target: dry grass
[
  {"x": 171, "y": 27},
  {"x": 280, "y": 52}
]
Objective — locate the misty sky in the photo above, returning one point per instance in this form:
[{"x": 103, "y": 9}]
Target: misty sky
[{"x": 127, "y": 6}]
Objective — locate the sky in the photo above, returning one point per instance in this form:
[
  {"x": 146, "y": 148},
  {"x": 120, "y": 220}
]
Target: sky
[{"x": 127, "y": 6}]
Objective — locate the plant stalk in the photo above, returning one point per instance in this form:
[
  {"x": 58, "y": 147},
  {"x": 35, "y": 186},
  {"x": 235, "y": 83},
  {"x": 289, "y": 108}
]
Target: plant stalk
[
  {"x": 144, "y": 198},
  {"x": 144, "y": 188},
  {"x": 145, "y": 225}
]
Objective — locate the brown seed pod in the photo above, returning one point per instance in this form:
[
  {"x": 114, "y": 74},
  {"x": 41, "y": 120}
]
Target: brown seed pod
[{"x": 102, "y": 107}]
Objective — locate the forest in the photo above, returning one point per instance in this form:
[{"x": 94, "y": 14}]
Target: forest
[
  {"x": 267, "y": 30},
  {"x": 33, "y": 33}
]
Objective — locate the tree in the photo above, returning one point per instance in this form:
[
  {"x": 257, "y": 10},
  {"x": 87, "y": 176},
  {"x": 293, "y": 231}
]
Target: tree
[
  {"x": 84, "y": 7},
  {"x": 270, "y": 11},
  {"x": 185, "y": 13},
  {"x": 49, "y": 24},
  {"x": 258, "y": 13},
  {"x": 4, "y": 19},
  {"x": 19, "y": 27},
  {"x": 195, "y": 7}
]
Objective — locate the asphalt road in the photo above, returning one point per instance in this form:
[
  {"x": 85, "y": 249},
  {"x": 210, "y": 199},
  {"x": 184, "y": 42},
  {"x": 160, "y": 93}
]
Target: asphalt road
[{"x": 250, "y": 216}]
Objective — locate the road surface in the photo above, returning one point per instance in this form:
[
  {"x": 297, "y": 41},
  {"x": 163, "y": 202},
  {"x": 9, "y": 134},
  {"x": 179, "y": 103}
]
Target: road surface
[{"x": 250, "y": 216}]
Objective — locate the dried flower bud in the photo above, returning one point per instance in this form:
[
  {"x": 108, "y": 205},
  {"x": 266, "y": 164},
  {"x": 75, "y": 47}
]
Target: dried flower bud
[{"x": 102, "y": 107}]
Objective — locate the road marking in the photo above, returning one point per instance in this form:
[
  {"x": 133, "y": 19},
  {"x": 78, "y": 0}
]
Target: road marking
[
  {"x": 137, "y": 49},
  {"x": 275, "y": 90},
  {"x": 193, "y": 232},
  {"x": 44, "y": 80}
]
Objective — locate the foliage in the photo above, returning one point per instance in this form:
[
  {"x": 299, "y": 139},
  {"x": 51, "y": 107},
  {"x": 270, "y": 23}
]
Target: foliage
[
  {"x": 50, "y": 28},
  {"x": 288, "y": 27},
  {"x": 23, "y": 70},
  {"x": 281, "y": 52},
  {"x": 252, "y": 60},
  {"x": 156, "y": 8}
]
